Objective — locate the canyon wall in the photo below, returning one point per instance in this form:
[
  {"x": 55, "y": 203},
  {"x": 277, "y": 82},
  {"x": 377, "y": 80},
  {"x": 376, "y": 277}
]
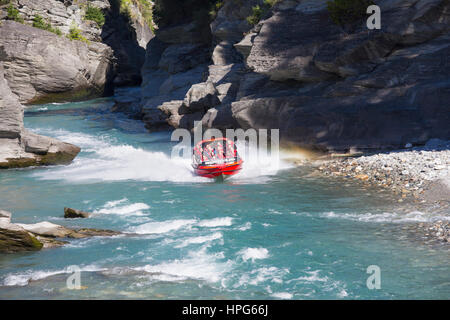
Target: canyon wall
[{"x": 324, "y": 86}]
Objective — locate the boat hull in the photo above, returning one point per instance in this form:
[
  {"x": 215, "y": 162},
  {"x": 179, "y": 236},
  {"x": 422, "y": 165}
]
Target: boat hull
[{"x": 218, "y": 171}]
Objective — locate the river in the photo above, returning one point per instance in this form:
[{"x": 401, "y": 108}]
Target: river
[{"x": 263, "y": 234}]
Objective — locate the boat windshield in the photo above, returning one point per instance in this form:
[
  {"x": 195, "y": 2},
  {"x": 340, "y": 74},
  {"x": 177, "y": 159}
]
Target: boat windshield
[{"x": 215, "y": 152}]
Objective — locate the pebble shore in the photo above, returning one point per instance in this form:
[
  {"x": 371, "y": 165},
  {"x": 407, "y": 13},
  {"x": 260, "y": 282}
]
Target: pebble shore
[{"x": 417, "y": 175}]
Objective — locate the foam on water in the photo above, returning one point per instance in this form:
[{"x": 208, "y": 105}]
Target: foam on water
[
  {"x": 216, "y": 222},
  {"x": 200, "y": 240},
  {"x": 198, "y": 265},
  {"x": 282, "y": 295},
  {"x": 254, "y": 253},
  {"x": 123, "y": 207},
  {"x": 86, "y": 142},
  {"x": 245, "y": 227},
  {"x": 22, "y": 279},
  {"x": 163, "y": 226},
  {"x": 109, "y": 161},
  {"x": 265, "y": 274},
  {"x": 158, "y": 227},
  {"x": 312, "y": 276},
  {"x": 415, "y": 216}
]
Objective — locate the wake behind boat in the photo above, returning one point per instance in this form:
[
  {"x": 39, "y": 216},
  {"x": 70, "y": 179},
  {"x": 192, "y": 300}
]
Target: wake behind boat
[{"x": 216, "y": 158}]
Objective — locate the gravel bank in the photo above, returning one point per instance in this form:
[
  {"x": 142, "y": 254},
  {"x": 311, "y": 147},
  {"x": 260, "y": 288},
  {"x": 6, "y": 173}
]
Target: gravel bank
[{"x": 419, "y": 175}]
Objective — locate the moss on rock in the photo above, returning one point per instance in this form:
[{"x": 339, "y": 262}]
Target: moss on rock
[{"x": 16, "y": 241}]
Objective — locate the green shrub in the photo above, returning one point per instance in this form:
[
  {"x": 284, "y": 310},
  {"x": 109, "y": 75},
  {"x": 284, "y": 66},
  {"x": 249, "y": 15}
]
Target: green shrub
[
  {"x": 169, "y": 12},
  {"x": 13, "y": 14},
  {"x": 257, "y": 12},
  {"x": 260, "y": 11},
  {"x": 125, "y": 9},
  {"x": 145, "y": 6},
  {"x": 345, "y": 12},
  {"x": 95, "y": 14},
  {"x": 39, "y": 22},
  {"x": 75, "y": 34},
  {"x": 215, "y": 7}
]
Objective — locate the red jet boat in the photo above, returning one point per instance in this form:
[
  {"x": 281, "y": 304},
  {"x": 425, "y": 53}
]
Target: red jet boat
[{"x": 216, "y": 158}]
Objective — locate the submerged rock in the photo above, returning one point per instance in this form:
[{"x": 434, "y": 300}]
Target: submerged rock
[
  {"x": 31, "y": 237},
  {"x": 74, "y": 213},
  {"x": 91, "y": 232},
  {"x": 47, "y": 229},
  {"x": 18, "y": 240}
]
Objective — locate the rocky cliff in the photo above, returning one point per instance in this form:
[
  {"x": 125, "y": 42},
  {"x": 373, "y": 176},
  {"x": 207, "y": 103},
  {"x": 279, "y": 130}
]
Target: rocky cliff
[
  {"x": 54, "y": 50},
  {"x": 40, "y": 65},
  {"x": 65, "y": 50},
  {"x": 322, "y": 85},
  {"x": 20, "y": 147}
]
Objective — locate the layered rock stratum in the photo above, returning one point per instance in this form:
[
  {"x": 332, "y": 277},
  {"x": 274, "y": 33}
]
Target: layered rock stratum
[
  {"x": 20, "y": 147},
  {"x": 66, "y": 56},
  {"x": 323, "y": 86},
  {"x": 41, "y": 65}
]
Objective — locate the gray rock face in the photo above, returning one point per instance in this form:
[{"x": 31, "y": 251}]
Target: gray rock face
[
  {"x": 180, "y": 34},
  {"x": 12, "y": 241},
  {"x": 322, "y": 87},
  {"x": 38, "y": 63},
  {"x": 62, "y": 15},
  {"x": 357, "y": 90},
  {"x": 118, "y": 45},
  {"x": 200, "y": 97},
  {"x": 128, "y": 36},
  {"x": 171, "y": 67},
  {"x": 11, "y": 111},
  {"x": 18, "y": 146}
]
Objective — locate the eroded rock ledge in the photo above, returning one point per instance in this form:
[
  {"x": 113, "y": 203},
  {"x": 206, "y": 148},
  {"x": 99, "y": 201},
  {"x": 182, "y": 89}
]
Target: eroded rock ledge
[
  {"x": 15, "y": 237},
  {"x": 298, "y": 71},
  {"x": 20, "y": 147}
]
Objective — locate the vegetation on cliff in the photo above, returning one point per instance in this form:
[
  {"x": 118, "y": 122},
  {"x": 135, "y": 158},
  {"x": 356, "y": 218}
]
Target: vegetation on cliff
[
  {"x": 39, "y": 22},
  {"x": 344, "y": 12},
  {"x": 95, "y": 14},
  {"x": 145, "y": 8},
  {"x": 260, "y": 11},
  {"x": 13, "y": 14},
  {"x": 75, "y": 34}
]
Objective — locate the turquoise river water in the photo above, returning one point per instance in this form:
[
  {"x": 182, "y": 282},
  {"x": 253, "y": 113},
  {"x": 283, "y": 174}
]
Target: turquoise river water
[{"x": 263, "y": 234}]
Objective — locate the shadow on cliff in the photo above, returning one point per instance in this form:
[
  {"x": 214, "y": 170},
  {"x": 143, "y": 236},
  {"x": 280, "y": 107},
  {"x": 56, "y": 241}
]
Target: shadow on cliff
[{"x": 118, "y": 33}]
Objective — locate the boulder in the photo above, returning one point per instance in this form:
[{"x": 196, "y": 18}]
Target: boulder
[
  {"x": 245, "y": 45},
  {"x": 91, "y": 232},
  {"x": 47, "y": 229},
  {"x": 12, "y": 241},
  {"x": 32, "y": 237},
  {"x": 74, "y": 213},
  {"x": 200, "y": 97}
]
